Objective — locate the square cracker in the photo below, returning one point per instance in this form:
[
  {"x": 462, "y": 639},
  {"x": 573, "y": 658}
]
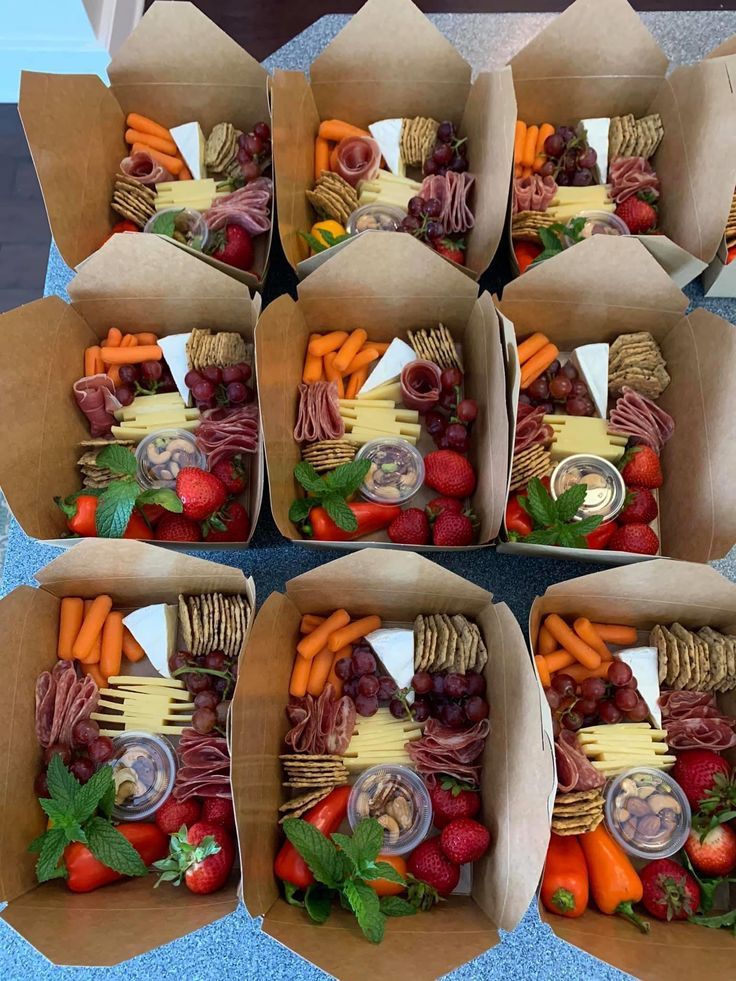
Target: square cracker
[
  {"x": 451, "y": 638},
  {"x": 680, "y": 637},
  {"x": 443, "y": 640},
  {"x": 430, "y": 643},
  {"x": 460, "y": 624},
  {"x": 418, "y": 641},
  {"x": 185, "y": 625},
  {"x": 656, "y": 639},
  {"x": 471, "y": 657}
]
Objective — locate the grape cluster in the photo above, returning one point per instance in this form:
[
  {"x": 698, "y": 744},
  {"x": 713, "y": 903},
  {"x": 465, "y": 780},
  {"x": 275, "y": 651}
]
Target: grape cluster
[
  {"x": 560, "y": 384},
  {"x": 254, "y": 151},
  {"x": 611, "y": 702},
  {"x": 88, "y": 751},
  {"x": 450, "y": 422},
  {"x": 214, "y": 387},
  {"x": 569, "y": 158},
  {"x": 449, "y": 153},
  {"x": 147, "y": 378},
  {"x": 423, "y": 220},
  {"x": 211, "y": 679},
  {"x": 362, "y": 683},
  {"x": 456, "y": 700}
]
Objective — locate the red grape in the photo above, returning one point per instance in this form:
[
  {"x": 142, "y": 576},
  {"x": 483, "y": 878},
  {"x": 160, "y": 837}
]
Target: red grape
[
  {"x": 250, "y": 170},
  {"x": 410, "y": 224},
  {"x": 594, "y": 688},
  {"x": 587, "y": 158},
  {"x": 212, "y": 373},
  {"x": 84, "y": 732},
  {"x": 609, "y": 714},
  {"x": 582, "y": 178},
  {"x": 450, "y": 378},
  {"x": 570, "y": 163},
  {"x": 619, "y": 674},
  {"x": 640, "y": 711},
  {"x": 563, "y": 684},
  {"x": 206, "y": 699},
  {"x": 572, "y": 720},
  {"x": 457, "y": 436},
  {"x": 244, "y": 368},
  {"x": 262, "y": 130},
  {"x": 438, "y": 684},
  {"x": 397, "y": 708},
  {"x": 547, "y": 169},
  {"x": 368, "y": 685},
  {"x": 416, "y": 206},
  {"x": 446, "y": 131},
  {"x": 587, "y": 706},
  {"x": 344, "y": 668},
  {"x": 567, "y": 702},
  {"x": 443, "y": 154},
  {"x": 57, "y": 749},
  {"x": 363, "y": 662},
  {"x": 253, "y": 144},
  {"x": 554, "y": 145},
  {"x": 467, "y": 410},
  {"x": 191, "y": 378},
  {"x": 236, "y": 392},
  {"x": 101, "y": 749},
  {"x": 128, "y": 373},
  {"x": 455, "y": 686},
  {"x": 435, "y": 229},
  {"x": 124, "y": 395},
  {"x": 420, "y": 710},
  {"x": 151, "y": 370},
  {"x": 579, "y": 389},
  {"x": 453, "y": 716},
  {"x": 232, "y": 373},
  {"x": 475, "y": 683},
  {"x": 386, "y": 687},
  {"x": 570, "y": 371},
  {"x": 576, "y": 407},
  {"x": 221, "y": 712},
  {"x": 539, "y": 388},
  {"x": 448, "y": 400},
  {"x": 432, "y": 207},
  {"x": 366, "y": 706},
  {"x": 553, "y": 698},
  {"x": 553, "y": 369},
  {"x": 556, "y": 727},
  {"x": 204, "y": 720},
  {"x": 422, "y": 682},
  {"x": 476, "y": 708},
  {"x": 435, "y": 423},
  {"x": 83, "y": 769},
  {"x": 560, "y": 387},
  {"x": 203, "y": 390},
  {"x": 625, "y": 699}
]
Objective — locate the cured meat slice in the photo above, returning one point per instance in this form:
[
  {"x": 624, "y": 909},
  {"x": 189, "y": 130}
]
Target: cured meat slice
[
  {"x": 143, "y": 168},
  {"x": 62, "y": 700},
  {"x": 446, "y": 751},
  {"x": 574, "y": 770},
  {"x": 358, "y": 159},
  {"x": 452, "y": 190},
  {"x": 95, "y": 396},
  {"x": 533, "y": 193},
  {"x": 318, "y": 413},
  {"x": 320, "y": 725},
  {"x": 249, "y": 206},
  {"x": 630, "y": 176},
  {"x": 715, "y": 734},
  {"x": 677, "y": 705},
  {"x": 205, "y": 767},
  {"x": 641, "y": 419},
  {"x": 224, "y": 432},
  {"x": 82, "y": 702},
  {"x": 530, "y": 428},
  {"x": 45, "y": 696},
  {"x": 420, "y": 385}
]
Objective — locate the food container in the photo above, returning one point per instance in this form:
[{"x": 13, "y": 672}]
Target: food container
[
  {"x": 647, "y": 813},
  {"x": 162, "y": 454},
  {"x": 398, "y": 799},
  {"x": 188, "y": 228},
  {"x": 144, "y": 767},
  {"x": 606, "y": 491},
  {"x": 375, "y": 217},
  {"x": 396, "y": 473},
  {"x": 599, "y": 223}
]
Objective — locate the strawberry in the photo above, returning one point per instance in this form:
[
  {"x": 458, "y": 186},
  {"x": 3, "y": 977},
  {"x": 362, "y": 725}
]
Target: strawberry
[
  {"x": 449, "y": 473},
  {"x": 712, "y": 854},
  {"x": 230, "y": 524},
  {"x": 203, "y": 856},
  {"x": 232, "y": 473},
  {"x": 200, "y": 492},
  {"x": 429, "y": 864},
  {"x": 640, "y": 468},
  {"x": 453, "y": 249},
  {"x": 465, "y": 840},
  {"x": 439, "y": 504},
  {"x": 640, "y": 507},
  {"x": 152, "y": 513},
  {"x": 177, "y": 528},
  {"x": 174, "y": 814},
  {"x": 219, "y": 810},
  {"x": 232, "y": 245},
  {"x": 451, "y": 800},
  {"x": 634, "y": 538},
  {"x": 638, "y": 214},
  {"x": 696, "y": 771},
  {"x": 411, "y": 527},
  {"x": 452, "y": 530},
  {"x": 670, "y": 892}
]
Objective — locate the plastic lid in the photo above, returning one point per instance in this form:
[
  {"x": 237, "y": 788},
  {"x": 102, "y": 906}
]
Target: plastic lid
[
  {"x": 647, "y": 813},
  {"x": 397, "y": 470},
  {"x": 600, "y": 223},
  {"x": 190, "y": 224},
  {"x": 375, "y": 217},
  {"x": 605, "y": 493},
  {"x": 161, "y": 455},
  {"x": 150, "y": 765},
  {"x": 397, "y": 795}
]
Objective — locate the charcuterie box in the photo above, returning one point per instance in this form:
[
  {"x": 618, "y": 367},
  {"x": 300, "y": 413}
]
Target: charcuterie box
[
  {"x": 177, "y": 69},
  {"x": 391, "y": 287},
  {"x": 124, "y": 919},
  {"x": 387, "y": 65},
  {"x": 515, "y": 777},
  {"x": 642, "y": 596},
  {"x": 593, "y": 298},
  {"x": 596, "y": 61},
  {"x": 51, "y": 447}
]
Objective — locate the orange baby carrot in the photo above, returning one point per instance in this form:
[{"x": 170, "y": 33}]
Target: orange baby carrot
[
  {"x": 114, "y": 337},
  {"x": 322, "y": 344},
  {"x": 313, "y": 643},
  {"x": 380, "y": 346},
  {"x": 184, "y": 174},
  {"x": 517, "y": 170},
  {"x": 146, "y": 337},
  {"x": 540, "y": 158},
  {"x": 309, "y": 622},
  {"x": 530, "y": 146},
  {"x": 614, "y": 633},
  {"x": 320, "y": 669},
  {"x": 588, "y": 657},
  {"x": 112, "y": 644},
  {"x": 537, "y": 364},
  {"x": 71, "y": 614},
  {"x": 130, "y": 340},
  {"x": 559, "y": 660},
  {"x": 332, "y": 375},
  {"x": 542, "y": 670},
  {"x": 579, "y": 672},
  {"x": 332, "y": 678},
  {"x": 531, "y": 346},
  {"x": 363, "y": 358},
  {"x": 90, "y": 360},
  {"x": 133, "y": 354},
  {"x": 350, "y": 348},
  {"x": 321, "y": 156},
  {"x": 352, "y": 632},
  {"x": 172, "y": 164},
  {"x": 300, "y": 676},
  {"x": 94, "y": 671},
  {"x": 131, "y": 648},
  {"x": 145, "y": 125},
  {"x": 587, "y": 633},
  {"x": 356, "y": 382},
  {"x": 155, "y": 142},
  {"x": 92, "y": 624},
  {"x": 94, "y": 655},
  {"x": 335, "y": 130},
  {"x": 312, "y": 370},
  {"x": 526, "y": 171},
  {"x": 545, "y": 641},
  {"x": 333, "y": 158},
  {"x": 113, "y": 374},
  {"x": 519, "y": 140}
]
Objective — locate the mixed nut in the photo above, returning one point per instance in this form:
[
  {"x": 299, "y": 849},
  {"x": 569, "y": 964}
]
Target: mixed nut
[
  {"x": 386, "y": 799},
  {"x": 647, "y": 811}
]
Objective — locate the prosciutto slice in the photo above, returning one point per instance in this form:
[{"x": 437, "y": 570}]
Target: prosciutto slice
[
  {"x": 446, "y": 751},
  {"x": 677, "y": 705},
  {"x": 452, "y": 190},
  {"x": 143, "y": 168},
  {"x": 224, "y": 432},
  {"x": 358, "y": 159},
  {"x": 420, "y": 385},
  {"x": 320, "y": 725},
  {"x": 95, "y": 396},
  {"x": 204, "y": 769},
  {"x": 641, "y": 419},
  {"x": 533, "y": 193},
  {"x": 630, "y": 176},
  {"x": 249, "y": 206},
  {"x": 574, "y": 770},
  {"x": 694, "y": 721},
  {"x": 318, "y": 413}
]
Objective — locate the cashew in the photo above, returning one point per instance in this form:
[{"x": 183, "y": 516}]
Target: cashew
[
  {"x": 159, "y": 453},
  {"x": 622, "y": 815},
  {"x": 180, "y": 444},
  {"x": 629, "y": 829},
  {"x": 645, "y": 792},
  {"x": 363, "y": 805},
  {"x": 660, "y": 802},
  {"x": 391, "y": 826},
  {"x": 402, "y": 811}
]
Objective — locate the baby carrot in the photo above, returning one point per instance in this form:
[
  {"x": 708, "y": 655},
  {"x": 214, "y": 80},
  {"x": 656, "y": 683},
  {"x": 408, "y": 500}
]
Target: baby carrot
[
  {"x": 540, "y": 158},
  {"x": 71, "y": 614},
  {"x": 530, "y": 146},
  {"x": 332, "y": 375},
  {"x": 614, "y": 633},
  {"x": 318, "y": 672},
  {"x": 356, "y": 382},
  {"x": 94, "y": 671},
  {"x": 517, "y": 170},
  {"x": 146, "y": 338},
  {"x": 571, "y": 642},
  {"x": 312, "y": 370},
  {"x": 130, "y": 340},
  {"x": 526, "y": 171},
  {"x": 380, "y": 346},
  {"x": 156, "y": 142},
  {"x": 587, "y": 632},
  {"x": 114, "y": 375},
  {"x": 519, "y": 140},
  {"x": 313, "y": 643},
  {"x": 579, "y": 672},
  {"x": 92, "y": 625},
  {"x": 335, "y": 130},
  {"x": 112, "y": 644},
  {"x": 321, "y": 156},
  {"x": 145, "y": 125},
  {"x": 173, "y": 164},
  {"x": 333, "y": 158},
  {"x": 309, "y": 622},
  {"x": 90, "y": 360},
  {"x": 558, "y": 660},
  {"x": 300, "y": 676},
  {"x": 545, "y": 641},
  {"x": 350, "y": 348},
  {"x": 537, "y": 364},
  {"x": 352, "y": 632},
  {"x": 131, "y": 648},
  {"x": 184, "y": 174},
  {"x": 131, "y": 355},
  {"x": 542, "y": 670},
  {"x": 114, "y": 337},
  {"x": 332, "y": 678},
  {"x": 321, "y": 344},
  {"x": 361, "y": 359},
  {"x": 531, "y": 346},
  {"x": 94, "y": 655}
]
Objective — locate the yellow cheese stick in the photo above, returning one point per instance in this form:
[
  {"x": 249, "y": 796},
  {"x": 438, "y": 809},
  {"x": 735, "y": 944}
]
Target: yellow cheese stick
[
  {"x": 376, "y": 403},
  {"x": 145, "y": 681}
]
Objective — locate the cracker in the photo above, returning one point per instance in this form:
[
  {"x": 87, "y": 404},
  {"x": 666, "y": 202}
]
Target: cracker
[
  {"x": 443, "y": 641},
  {"x": 430, "y": 642},
  {"x": 418, "y": 642},
  {"x": 451, "y": 638},
  {"x": 185, "y": 624},
  {"x": 656, "y": 639},
  {"x": 299, "y": 805}
]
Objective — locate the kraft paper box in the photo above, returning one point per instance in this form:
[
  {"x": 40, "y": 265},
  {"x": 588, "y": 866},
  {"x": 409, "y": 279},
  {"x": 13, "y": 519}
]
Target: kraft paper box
[
  {"x": 517, "y": 770},
  {"x": 130, "y": 284},
  {"x": 130, "y": 917},
  {"x": 596, "y": 59},
  {"x": 610, "y": 286},
  {"x": 176, "y": 67},
  {"x": 642, "y": 595},
  {"x": 387, "y": 284},
  {"x": 389, "y": 62}
]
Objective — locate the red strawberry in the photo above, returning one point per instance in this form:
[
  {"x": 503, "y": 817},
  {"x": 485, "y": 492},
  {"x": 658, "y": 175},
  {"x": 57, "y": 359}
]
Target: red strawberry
[
  {"x": 173, "y": 814},
  {"x": 465, "y": 840},
  {"x": 177, "y": 528},
  {"x": 219, "y": 810},
  {"x": 641, "y": 507},
  {"x": 232, "y": 473},
  {"x": 451, "y": 800},
  {"x": 453, "y": 249},
  {"x": 439, "y": 504},
  {"x": 200, "y": 492},
  {"x": 230, "y": 524},
  {"x": 429, "y": 864},
  {"x": 696, "y": 771},
  {"x": 234, "y": 246},
  {"x": 670, "y": 892},
  {"x": 152, "y": 513},
  {"x": 716, "y": 854},
  {"x": 203, "y": 856},
  {"x": 640, "y": 468},
  {"x": 411, "y": 527},
  {"x": 452, "y": 530},
  {"x": 634, "y": 538},
  {"x": 449, "y": 473},
  {"x": 637, "y": 214}
]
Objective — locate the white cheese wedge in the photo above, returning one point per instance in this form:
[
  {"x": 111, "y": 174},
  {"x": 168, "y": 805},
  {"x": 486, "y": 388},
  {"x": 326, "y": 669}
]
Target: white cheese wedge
[
  {"x": 387, "y": 134},
  {"x": 596, "y": 132},
  {"x": 591, "y": 360},
  {"x": 389, "y": 368},
  {"x": 154, "y": 627},
  {"x": 174, "y": 348},
  {"x": 189, "y": 138},
  {"x": 643, "y": 662},
  {"x": 395, "y": 649}
]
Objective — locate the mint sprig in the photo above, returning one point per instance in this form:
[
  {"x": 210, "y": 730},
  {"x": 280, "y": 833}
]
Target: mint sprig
[
  {"x": 553, "y": 519},
  {"x": 553, "y": 237},
  {"x": 318, "y": 246},
  {"x": 329, "y": 492}
]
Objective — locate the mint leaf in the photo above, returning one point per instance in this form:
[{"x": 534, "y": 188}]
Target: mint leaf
[
  {"x": 539, "y": 503},
  {"x": 318, "y": 902},
  {"x": 92, "y": 793},
  {"x": 115, "y": 508},
  {"x": 63, "y": 785},
  {"x": 112, "y": 849},
  {"x": 165, "y": 224},
  {"x": 64, "y": 820},
  {"x": 163, "y": 496},
  {"x": 299, "y": 510},
  {"x": 542, "y": 536},
  {"x": 117, "y": 459},
  {"x": 52, "y": 848},
  {"x": 340, "y": 513},
  {"x": 550, "y": 240},
  {"x": 309, "y": 478},
  {"x": 388, "y": 872},
  {"x": 368, "y": 840},
  {"x": 569, "y": 537},
  {"x": 350, "y": 851},
  {"x": 290, "y": 894},
  {"x": 396, "y": 906},
  {"x": 347, "y": 478},
  {"x": 364, "y": 903},
  {"x": 724, "y": 920},
  {"x": 587, "y": 525},
  {"x": 318, "y": 852},
  {"x": 568, "y": 504}
]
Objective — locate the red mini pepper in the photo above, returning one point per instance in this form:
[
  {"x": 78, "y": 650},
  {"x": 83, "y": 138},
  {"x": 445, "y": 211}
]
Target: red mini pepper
[
  {"x": 601, "y": 536},
  {"x": 518, "y": 521},
  {"x": 370, "y": 518},
  {"x": 326, "y": 816},
  {"x": 82, "y": 522},
  {"x": 137, "y": 527},
  {"x": 85, "y": 872}
]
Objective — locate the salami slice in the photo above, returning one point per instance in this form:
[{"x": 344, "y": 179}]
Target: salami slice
[
  {"x": 574, "y": 770},
  {"x": 446, "y": 751}
]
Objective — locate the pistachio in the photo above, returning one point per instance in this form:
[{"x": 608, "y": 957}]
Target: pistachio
[
  {"x": 620, "y": 799},
  {"x": 668, "y": 818},
  {"x": 660, "y": 802},
  {"x": 637, "y": 807},
  {"x": 649, "y": 826}
]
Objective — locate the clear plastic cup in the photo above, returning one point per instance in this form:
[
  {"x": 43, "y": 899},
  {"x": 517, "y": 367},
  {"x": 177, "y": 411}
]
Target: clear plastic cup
[
  {"x": 152, "y": 761},
  {"x": 647, "y": 813},
  {"x": 161, "y": 455},
  {"x": 380, "y": 792},
  {"x": 194, "y": 230}
]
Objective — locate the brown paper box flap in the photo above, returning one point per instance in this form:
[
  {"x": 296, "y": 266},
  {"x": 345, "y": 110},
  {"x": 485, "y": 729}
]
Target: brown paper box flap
[
  {"x": 595, "y": 59},
  {"x": 719, "y": 279},
  {"x": 389, "y": 60},
  {"x": 727, "y": 48},
  {"x": 678, "y": 263},
  {"x": 75, "y": 129}
]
